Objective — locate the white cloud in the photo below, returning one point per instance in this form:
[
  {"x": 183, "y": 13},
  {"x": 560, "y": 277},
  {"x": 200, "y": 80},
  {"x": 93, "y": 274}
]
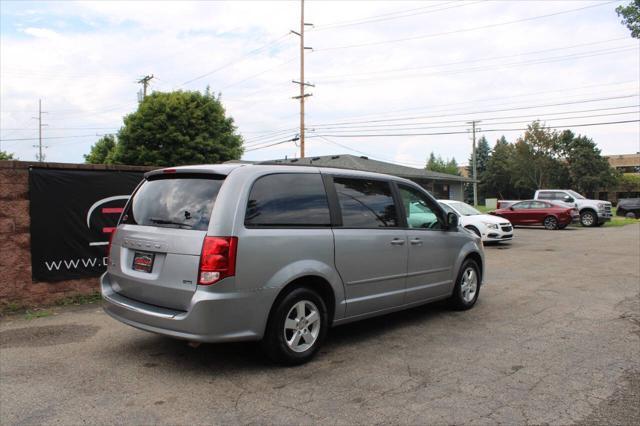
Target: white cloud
[{"x": 83, "y": 60}]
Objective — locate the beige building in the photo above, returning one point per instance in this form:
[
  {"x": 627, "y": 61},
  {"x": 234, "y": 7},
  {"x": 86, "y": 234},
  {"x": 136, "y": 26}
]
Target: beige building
[{"x": 627, "y": 164}]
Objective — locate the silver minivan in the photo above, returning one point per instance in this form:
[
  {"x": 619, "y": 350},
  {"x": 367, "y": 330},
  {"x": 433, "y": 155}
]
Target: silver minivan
[{"x": 281, "y": 253}]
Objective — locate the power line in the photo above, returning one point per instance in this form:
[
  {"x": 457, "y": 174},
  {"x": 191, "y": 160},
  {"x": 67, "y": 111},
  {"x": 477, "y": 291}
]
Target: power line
[
  {"x": 258, "y": 74},
  {"x": 490, "y": 58},
  {"x": 46, "y": 138},
  {"x": 479, "y": 112},
  {"x": 268, "y": 133},
  {"x": 492, "y": 99},
  {"x": 369, "y": 155},
  {"x": 493, "y": 67},
  {"x": 294, "y": 139},
  {"x": 404, "y": 126},
  {"x": 239, "y": 59},
  {"x": 372, "y": 18},
  {"x": 483, "y": 130},
  {"x": 462, "y": 30}
]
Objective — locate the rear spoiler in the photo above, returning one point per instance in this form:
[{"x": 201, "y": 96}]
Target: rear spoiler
[{"x": 218, "y": 169}]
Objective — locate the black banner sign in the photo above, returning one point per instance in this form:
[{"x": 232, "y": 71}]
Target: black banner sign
[{"x": 73, "y": 213}]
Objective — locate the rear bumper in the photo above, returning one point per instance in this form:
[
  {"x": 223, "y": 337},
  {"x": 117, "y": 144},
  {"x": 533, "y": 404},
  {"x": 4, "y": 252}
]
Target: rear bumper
[{"x": 212, "y": 317}]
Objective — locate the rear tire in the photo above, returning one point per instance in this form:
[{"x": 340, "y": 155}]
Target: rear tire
[
  {"x": 588, "y": 218},
  {"x": 467, "y": 288},
  {"x": 550, "y": 222},
  {"x": 297, "y": 327},
  {"x": 562, "y": 226},
  {"x": 630, "y": 215}
]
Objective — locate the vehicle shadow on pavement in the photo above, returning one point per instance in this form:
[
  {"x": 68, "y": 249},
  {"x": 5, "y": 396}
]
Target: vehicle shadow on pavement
[{"x": 174, "y": 356}]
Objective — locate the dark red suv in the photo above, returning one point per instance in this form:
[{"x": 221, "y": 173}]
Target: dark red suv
[{"x": 536, "y": 212}]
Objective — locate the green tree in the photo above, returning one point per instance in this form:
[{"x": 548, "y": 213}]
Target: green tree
[
  {"x": 437, "y": 164},
  {"x": 587, "y": 169},
  {"x": 177, "y": 128},
  {"x": 4, "y": 155},
  {"x": 483, "y": 152},
  {"x": 629, "y": 182},
  {"x": 497, "y": 180},
  {"x": 101, "y": 151},
  {"x": 536, "y": 161},
  {"x": 631, "y": 17}
]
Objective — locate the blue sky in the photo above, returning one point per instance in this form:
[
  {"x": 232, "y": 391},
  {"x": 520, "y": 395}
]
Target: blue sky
[{"x": 379, "y": 67}]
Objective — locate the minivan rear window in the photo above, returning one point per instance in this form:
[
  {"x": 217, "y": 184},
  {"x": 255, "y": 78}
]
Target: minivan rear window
[{"x": 182, "y": 201}]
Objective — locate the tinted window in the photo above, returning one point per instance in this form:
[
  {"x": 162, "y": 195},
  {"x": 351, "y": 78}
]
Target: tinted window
[
  {"x": 538, "y": 205},
  {"x": 522, "y": 205},
  {"x": 288, "y": 199},
  {"x": 546, "y": 195},
  {"x": 176, "y": 201},
  {"x": 419, "y": 210},
  {"x": 366, "y": 203}
]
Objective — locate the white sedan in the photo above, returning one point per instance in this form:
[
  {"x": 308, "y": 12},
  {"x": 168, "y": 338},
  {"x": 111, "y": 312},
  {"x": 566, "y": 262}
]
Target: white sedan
[{"x": 489, "y": 228}]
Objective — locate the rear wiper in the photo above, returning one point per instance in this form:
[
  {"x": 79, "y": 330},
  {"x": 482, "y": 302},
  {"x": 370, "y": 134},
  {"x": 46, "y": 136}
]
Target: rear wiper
[{"x": 159, "y": 221}]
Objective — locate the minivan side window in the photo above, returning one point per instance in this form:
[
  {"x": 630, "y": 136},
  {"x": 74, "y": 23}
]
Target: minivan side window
[
  {"x": 420, "y": 211},
  {"x": 545, "y": 195},
  {"x": 366, "y": 203},
  {"x": 288, "y": 199}
]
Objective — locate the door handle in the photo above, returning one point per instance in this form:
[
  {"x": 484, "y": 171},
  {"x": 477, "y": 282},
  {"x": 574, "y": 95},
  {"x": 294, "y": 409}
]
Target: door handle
[
  {"x": 397, "y": 242},
  {"x": 416, "y": 242}
]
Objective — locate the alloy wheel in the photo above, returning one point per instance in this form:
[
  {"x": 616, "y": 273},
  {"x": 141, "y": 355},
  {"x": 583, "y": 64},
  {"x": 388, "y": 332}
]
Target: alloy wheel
[
  {"x": 302, "y": 326},
  {"x": 469, "y": 285},
  {"x": 587, "y": 219},
  {"x": 550, "y": 223}
]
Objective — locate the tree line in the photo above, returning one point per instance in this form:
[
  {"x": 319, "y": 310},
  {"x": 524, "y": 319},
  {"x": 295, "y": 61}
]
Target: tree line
[{"x": 541, "y": 158}]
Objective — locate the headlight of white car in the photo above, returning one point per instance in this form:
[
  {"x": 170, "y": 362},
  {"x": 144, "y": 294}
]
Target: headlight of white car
[{"x": 490, "y": 225}]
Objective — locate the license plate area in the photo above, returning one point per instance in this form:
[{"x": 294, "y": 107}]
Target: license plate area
[{"x": 143, "y": 261}]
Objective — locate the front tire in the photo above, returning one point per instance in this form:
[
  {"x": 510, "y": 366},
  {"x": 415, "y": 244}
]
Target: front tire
[
  {"x": 630, "y": 215},
  {"x": 550, "y": 223},
  {"x": 588, "y": 218},
  {"x": 562, "y": 226},
  {"x": 467, "y": 289},
  {"x": 297, "y": 327}
]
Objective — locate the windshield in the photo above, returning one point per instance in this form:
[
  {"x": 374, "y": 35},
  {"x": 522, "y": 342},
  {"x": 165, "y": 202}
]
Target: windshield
[
  {"x": 575, "y": 195},
  {"x": 464, "y": 208},
  {"x": 181, "y": 201}
]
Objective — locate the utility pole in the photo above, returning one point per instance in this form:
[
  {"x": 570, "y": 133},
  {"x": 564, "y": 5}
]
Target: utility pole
[
  {"x": 145, "y": 83},
  {"x": 475, "y": 166},
  {"x": 302, "y": 83},
  {"x": 40, "y": 155}
]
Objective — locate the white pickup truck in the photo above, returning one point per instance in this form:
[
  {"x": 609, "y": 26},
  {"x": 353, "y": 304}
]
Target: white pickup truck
[{"x": 592, "y": 212}]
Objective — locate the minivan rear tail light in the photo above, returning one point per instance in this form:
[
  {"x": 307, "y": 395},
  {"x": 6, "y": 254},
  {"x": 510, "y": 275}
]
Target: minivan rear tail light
[
  {"x": 218, "y": 259},
  {"x": 111, "y": 235}
]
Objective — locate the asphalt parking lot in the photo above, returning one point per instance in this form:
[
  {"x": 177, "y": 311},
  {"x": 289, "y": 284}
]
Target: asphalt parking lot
[{"x": 554, "y": 338}]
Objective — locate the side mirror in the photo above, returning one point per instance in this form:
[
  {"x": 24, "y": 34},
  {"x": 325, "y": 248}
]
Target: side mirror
[
  {"x": 568, "y": 199},
  {"x": 511, "y": 208},
  {"x": 452, "y": 221}
]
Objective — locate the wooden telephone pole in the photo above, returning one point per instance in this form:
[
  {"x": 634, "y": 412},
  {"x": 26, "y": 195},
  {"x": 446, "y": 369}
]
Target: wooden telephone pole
[
  {"x": 40, "y": 154},
  {"x": 302, "y": 83},
  {"x": 474, "y": 166},
  {"x": 145, "y": 83}
]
